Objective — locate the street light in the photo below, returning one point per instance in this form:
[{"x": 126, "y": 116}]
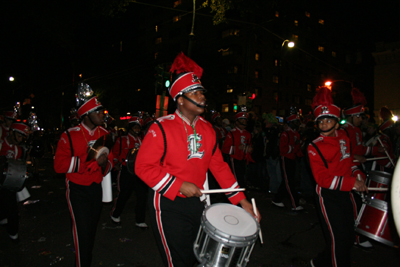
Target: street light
[
  {"x": 290, "y": 44},
  {"x": 11, "y": 78}
]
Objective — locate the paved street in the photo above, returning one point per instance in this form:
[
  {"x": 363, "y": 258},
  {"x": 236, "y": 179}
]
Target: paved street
[{"x": 46, "y": 238}]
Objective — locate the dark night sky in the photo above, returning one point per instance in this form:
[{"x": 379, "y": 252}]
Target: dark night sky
[{"x": 44, "y": 42}]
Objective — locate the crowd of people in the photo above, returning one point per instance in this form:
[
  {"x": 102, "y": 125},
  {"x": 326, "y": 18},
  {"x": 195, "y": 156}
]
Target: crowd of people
[{"x": 168, "y": 161}]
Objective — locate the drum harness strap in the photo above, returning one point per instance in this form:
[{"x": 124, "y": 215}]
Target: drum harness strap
[
  {"x": 165, "y": 141},
  {"x": 320, "y": 154},
  {"x": 70, "y": 142}
]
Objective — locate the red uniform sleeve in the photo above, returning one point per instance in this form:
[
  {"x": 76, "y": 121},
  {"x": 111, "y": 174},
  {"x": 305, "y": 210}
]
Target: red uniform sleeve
[
  {"x": 148, "y": 166},
  {"x": 284, "y": 146},
  {"x": 227, "y": 145}
]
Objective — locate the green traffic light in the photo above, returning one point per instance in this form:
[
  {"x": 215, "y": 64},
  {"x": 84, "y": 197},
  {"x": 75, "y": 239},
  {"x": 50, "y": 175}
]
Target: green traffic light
[
  {"x": 167, "y": 83},
  {"x": 342, "y": 122}
]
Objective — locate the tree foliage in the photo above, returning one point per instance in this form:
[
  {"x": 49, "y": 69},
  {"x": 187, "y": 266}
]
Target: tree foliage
[{"x": 219, "y": 8}]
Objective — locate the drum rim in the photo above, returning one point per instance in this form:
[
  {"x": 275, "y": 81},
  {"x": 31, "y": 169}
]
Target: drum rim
[
  {"x": 225, "y": 238},
  {"x": 381, "y": 172},
  {"x": 377, "y": 203}
]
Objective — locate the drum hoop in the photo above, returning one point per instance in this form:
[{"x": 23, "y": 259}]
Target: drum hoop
[
  {"x": 377, "y": 203},
  {"x": 225, "y": 238},
  {"x": 382, "y": 174}
]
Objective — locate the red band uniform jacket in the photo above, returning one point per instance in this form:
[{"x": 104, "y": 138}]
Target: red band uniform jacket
[
  {"x": 76, "y": 168},
  {"x": 182, "y": 162}
]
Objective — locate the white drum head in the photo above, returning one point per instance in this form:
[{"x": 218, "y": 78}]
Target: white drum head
[
  {"x": 101, "y": 151},
  {"x": 231, "y": 220}
]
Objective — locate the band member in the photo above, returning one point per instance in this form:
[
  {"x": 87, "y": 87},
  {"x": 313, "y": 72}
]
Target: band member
[
  {"x": 10, "y": 149},
  {"x": 238, "y": 146},
  {"x": 290, "y": 149},
  {"x": 219, "y": 129},
  {"x": 9, "y": 118},
  {"x": 84, "y": 175},
  {"x": 173, "y": 160},
  {"x": 126, "y": 181},
  {"x": 336, "y": 175},
  {"x": 386, "y": 136}
]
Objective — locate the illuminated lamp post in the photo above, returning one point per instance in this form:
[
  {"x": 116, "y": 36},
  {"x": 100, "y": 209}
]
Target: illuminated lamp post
[{"x": 290, "y": 44}]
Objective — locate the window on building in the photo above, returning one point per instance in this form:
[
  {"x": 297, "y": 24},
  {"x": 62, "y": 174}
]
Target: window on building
[
  {"x": 235, "y": 69},
  {"x": 276, "y": 62},
  {"x": 177, "y": 3},
  {"x": 321, "y": 48},
  {"x": 308, "y": 102},
  {"x": 155, "y": 55},
  {"x": 333, "y": 54},
  {"x": 257, "y": 56},
  {"x": 225, "y": 107},
  {"x": 156, "y": 28},
  {"x": 296, "y": 23},
  {"x": 229, "y": 90},
  {"x": 321, "y": 21},
  {"x": 309, "y": 88},
  {"x": 307, "y": 14},
  {"x": 176, "y": 18},
  {"x": 256, "y": 74},
  {"x": 295, "y": 37},
  {"x": 158, "y": 40},
  {"x": 277, "y": 14},
  {"x": 275, "y": 79}
]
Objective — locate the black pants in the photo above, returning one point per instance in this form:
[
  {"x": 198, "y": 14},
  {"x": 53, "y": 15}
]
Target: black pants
[
  {"x": 85, "y": 204},
  {"x": 335, "y": 210},
  {"x": 175, "y": 226},
  {"x": 127, "y": 183},
  {"x": 288, "y": 184},
  {"x": 9, "y": 210}
]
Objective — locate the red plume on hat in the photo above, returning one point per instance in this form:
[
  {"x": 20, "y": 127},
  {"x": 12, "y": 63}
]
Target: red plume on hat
[
  {"x": 184, "y": 64},
  {"x": 358, "y": 103},
  {"x": 323, "y": 104},
  {"x": 358, "y": 97},
  {"x": 188, "y": 79},
  {"x": 385, "y": 113}
]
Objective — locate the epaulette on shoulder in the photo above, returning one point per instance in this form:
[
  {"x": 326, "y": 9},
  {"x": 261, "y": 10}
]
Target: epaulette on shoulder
[
  {"x": 319, "y": 139},
  {"x": 166, "y": 118}
]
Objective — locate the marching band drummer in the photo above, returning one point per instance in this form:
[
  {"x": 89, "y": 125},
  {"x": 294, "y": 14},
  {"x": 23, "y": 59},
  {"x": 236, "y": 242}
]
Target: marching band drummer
[
  {"x": 10, "y": 149},
  {"x": 190, "y": 147},
  {"x": 336, "y": 175},
  {"x": 83, "y": 178}
]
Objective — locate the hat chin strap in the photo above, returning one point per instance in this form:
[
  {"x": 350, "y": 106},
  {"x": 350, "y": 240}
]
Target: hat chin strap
[{"x": 193, "y": 102}]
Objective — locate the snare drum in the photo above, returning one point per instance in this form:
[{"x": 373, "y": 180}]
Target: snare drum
[
  {"x": 372, "y": 221},
  {"x": 378, "y": 179},
  {"x": 15, "y": 175},
  {"x": 226, "y": 236}
]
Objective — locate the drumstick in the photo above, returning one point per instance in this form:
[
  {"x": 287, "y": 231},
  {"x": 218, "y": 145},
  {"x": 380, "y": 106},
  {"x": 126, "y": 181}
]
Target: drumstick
[
  {"x": 211, "y": 191},
  {"x": 386, "y": 152},
  {"x": 377, "y": 189},
  {"x": 370, "y": 159},
  {"x": 253, "y": 201}
]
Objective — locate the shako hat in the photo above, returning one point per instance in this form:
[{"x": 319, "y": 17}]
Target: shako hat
[
  {"x": 323, "y": 104},
  {"x": 86, "y": 101},
  {"x": 22, "y": 128},
  {"x": 188, "y": 76},
  {"x": 359, "y": 102},
  {"x": 242, "y": 114}
]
